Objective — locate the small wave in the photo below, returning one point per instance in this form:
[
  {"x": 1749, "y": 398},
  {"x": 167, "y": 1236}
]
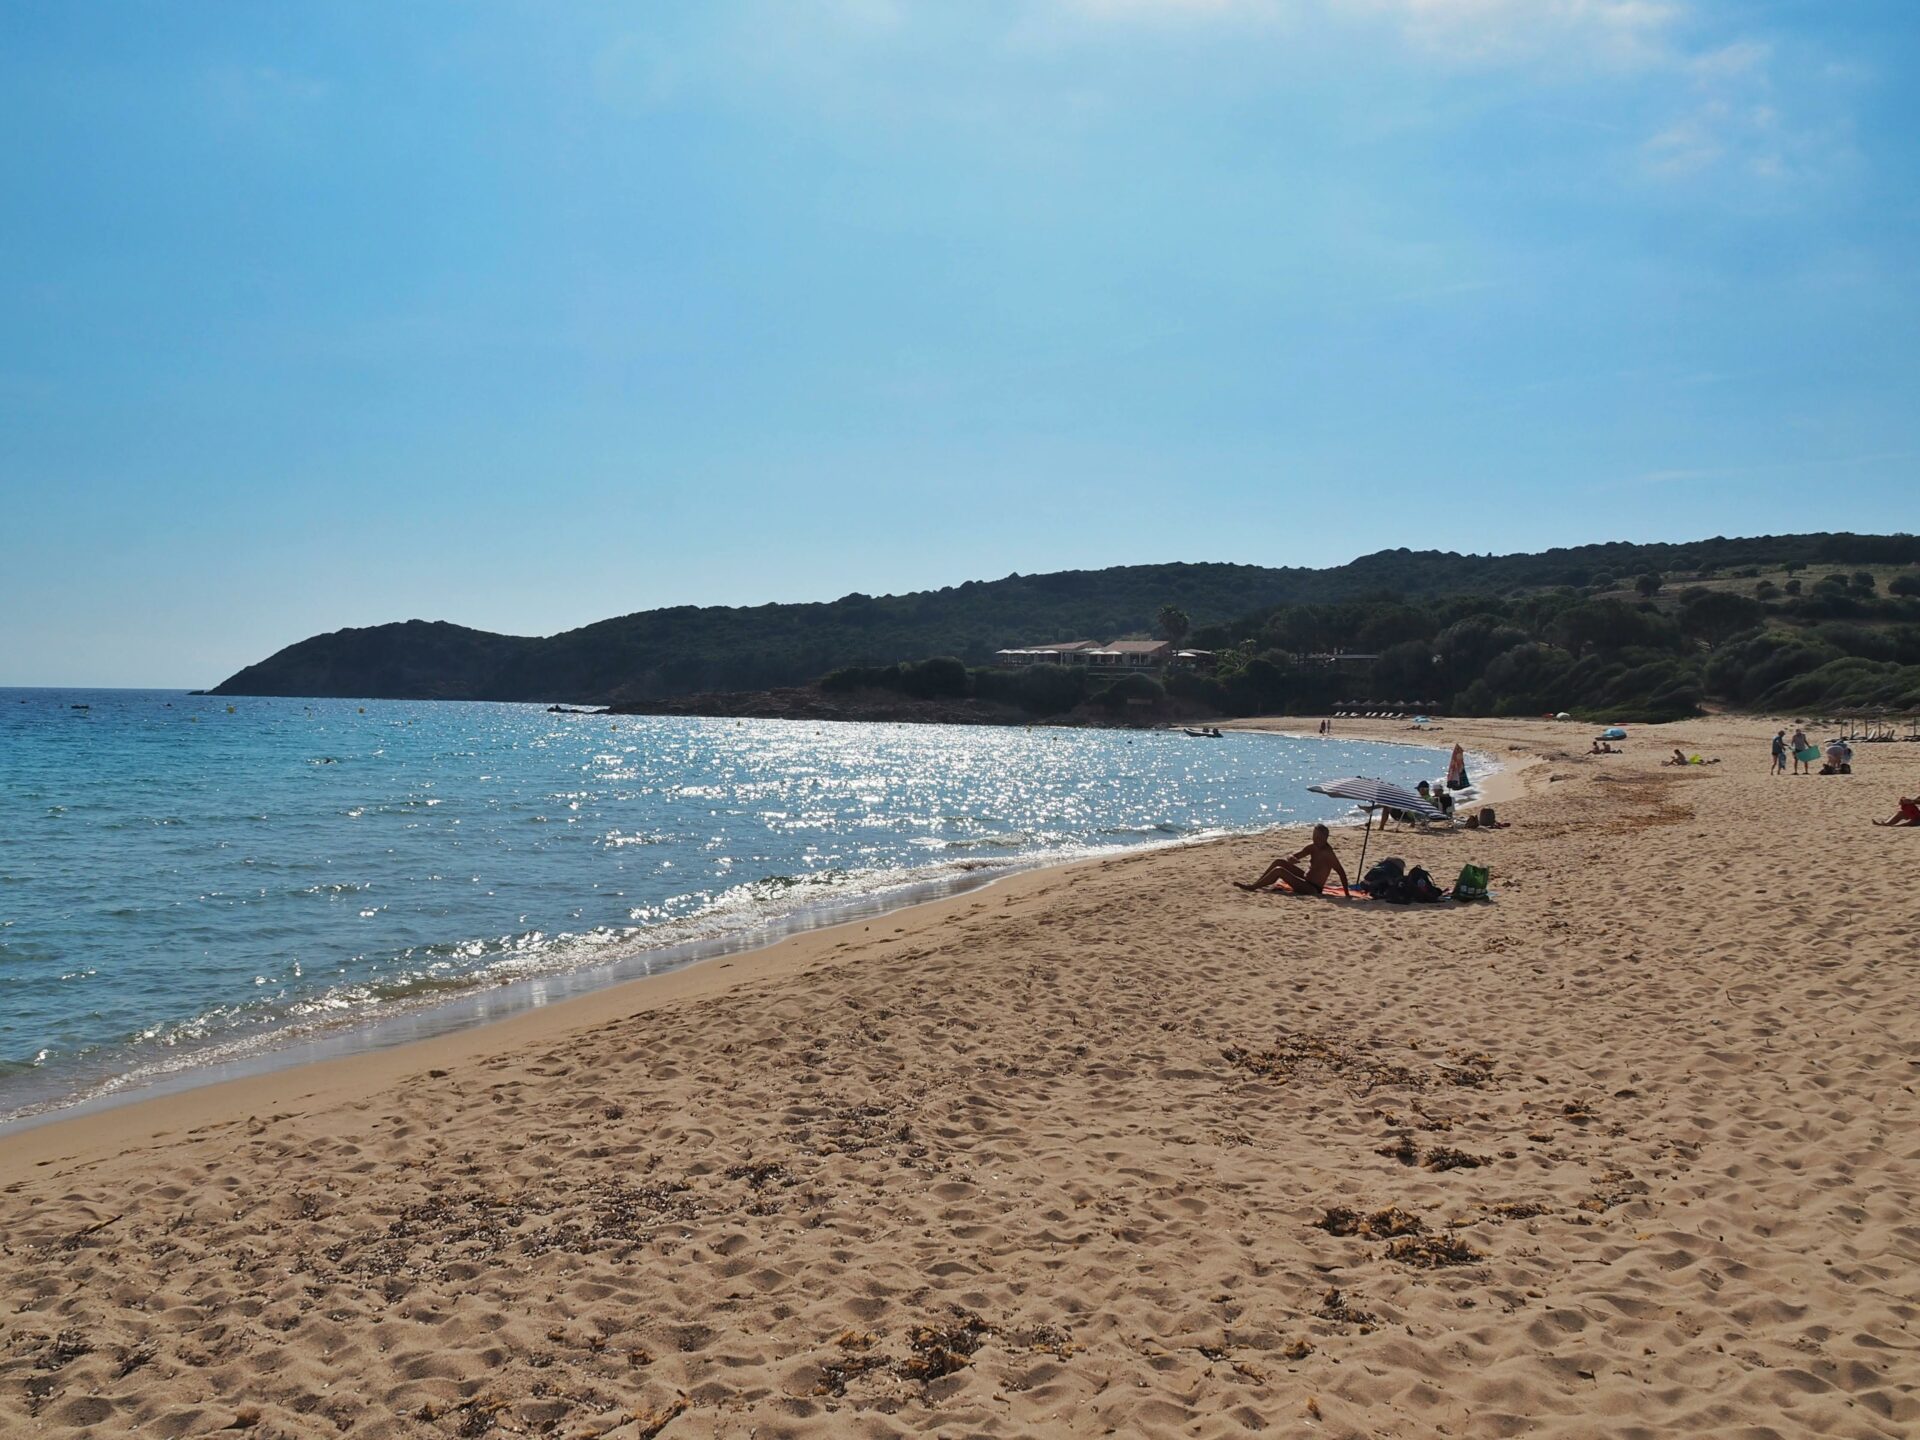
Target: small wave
[
  {"x": 727, "y": 839},
  {"x": 1010, "y": 840},
  {"x": 615, "y": 840}
]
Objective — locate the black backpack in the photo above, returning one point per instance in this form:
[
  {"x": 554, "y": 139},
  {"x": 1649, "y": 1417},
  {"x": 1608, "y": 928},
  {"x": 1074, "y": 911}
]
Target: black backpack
[
  {"x": 1421, "y": 888},
  {"x": 1387, "y": 880}
]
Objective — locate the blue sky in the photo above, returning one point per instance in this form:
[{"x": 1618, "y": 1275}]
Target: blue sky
[{"x": 523, "y": 315}]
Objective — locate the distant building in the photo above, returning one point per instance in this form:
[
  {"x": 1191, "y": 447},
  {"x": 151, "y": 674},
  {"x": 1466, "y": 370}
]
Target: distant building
[
  {"x": 1065, "y": 652},
  {"x": 1116, "y": 655},
  {"x": 1132, "y": 654}
]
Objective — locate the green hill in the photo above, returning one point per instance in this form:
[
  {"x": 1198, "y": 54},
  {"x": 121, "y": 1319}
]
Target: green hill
[{"x": 683, "y": 650}]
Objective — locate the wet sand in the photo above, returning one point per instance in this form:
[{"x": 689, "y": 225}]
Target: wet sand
[{"x": 1106, "y": 1149}]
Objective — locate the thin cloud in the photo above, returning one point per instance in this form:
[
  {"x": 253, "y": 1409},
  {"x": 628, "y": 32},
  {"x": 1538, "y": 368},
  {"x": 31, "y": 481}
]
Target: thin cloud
[
  {"x": 1774, "y": 468},
  {"x": 1715, "y": 109},
  {"x": 1472, "y": 31},
  {"x": 1631, "y": 32}
]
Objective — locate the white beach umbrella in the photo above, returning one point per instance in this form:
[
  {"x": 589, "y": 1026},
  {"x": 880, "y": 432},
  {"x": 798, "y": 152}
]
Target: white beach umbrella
[{"x": 1374, "y": 795}]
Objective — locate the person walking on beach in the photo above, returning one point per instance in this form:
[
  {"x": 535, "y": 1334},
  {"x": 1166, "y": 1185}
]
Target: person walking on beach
[
  {"x": 1799, "y": 749},
  {"x": 1779, "y": 753},
  {"x": 1320, "y": 862}
]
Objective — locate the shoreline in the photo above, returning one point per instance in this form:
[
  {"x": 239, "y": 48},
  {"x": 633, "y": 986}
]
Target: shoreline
[
  {"x": 487, "y": 1007},
  {"x": 1110, "y": 1147}
]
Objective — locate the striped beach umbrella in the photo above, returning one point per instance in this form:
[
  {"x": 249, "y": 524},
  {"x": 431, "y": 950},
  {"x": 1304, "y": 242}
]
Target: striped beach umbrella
[{"x": 1376, "y": 795}]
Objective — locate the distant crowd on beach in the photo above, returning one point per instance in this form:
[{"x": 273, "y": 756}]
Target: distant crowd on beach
[
  {"x": 1310, "y": 870},
  {"x": 1801, "y": 753}
]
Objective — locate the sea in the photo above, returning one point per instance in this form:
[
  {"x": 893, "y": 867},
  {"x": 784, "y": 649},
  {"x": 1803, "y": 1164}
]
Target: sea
[{"x": 193, "y": 887}]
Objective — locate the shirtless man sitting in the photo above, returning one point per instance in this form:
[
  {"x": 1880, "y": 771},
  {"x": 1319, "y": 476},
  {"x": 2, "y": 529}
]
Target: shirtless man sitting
[{"x": 1311, "y": 881}]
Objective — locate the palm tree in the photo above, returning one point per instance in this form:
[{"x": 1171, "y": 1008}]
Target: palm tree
[{"x": 1174, "y": 623}]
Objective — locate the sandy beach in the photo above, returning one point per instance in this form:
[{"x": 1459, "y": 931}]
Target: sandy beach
[{"x": 1113, "y": 1148}]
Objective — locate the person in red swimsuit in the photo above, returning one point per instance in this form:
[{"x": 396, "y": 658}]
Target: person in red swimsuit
[
  {"x": 1320, "y": 859},
  {"x": 1909, "y": 813}
]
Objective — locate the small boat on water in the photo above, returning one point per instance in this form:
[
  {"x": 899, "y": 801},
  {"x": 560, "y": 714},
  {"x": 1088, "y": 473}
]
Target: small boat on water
[{"x": 1205, "y": 732}]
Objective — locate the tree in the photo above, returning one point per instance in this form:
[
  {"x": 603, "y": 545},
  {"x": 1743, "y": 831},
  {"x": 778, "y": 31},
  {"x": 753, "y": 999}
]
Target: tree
[
  {"x": 1605, "y": 626},
  {"x": 1405, "y": 671},
  {"x": 1715, "y": 616},
  {"x": 1385, "y": 626},
  {"x": 1174, "y": 623},
  {"x": 1766, "y": 590},
  {"x": 1863, "y": 580},
  {"x": 1466, "y": 646},
  {"x": 1528, "y": 680},
  {"x": 1793, "y": 587},
  {"x": 1905, "y": 584},
  {"x": 1648, "y": 584}
]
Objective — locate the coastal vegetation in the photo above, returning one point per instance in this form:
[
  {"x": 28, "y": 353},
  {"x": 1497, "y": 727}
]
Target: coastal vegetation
[
  {"x": 1608, "y": 653},
  {"x": 1643, "y": 631}
]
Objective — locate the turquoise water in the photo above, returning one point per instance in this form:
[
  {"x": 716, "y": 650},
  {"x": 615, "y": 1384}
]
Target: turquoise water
[{"x": 184, "y": 880}]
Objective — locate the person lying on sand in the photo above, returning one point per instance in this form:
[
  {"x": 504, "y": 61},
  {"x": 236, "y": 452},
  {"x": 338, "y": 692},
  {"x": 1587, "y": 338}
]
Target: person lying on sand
[
  {"x": 1908, "y": 813},
  {"x": 1320, "y": 860}
]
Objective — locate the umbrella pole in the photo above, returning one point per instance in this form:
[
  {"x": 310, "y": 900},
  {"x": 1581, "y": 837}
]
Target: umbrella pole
[{"x": 1368, "y": 839}]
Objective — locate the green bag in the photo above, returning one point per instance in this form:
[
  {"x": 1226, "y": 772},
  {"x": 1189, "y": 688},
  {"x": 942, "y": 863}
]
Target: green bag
[{"x": 1472, "y": 884}]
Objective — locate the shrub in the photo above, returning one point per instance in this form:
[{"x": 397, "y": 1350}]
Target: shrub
[
  {"x": 1128, "y": 688},
  {"x": 1830, "y": 603},
  {"x": 1202, "y": 690},
  {"x": 942, "y": 678},
  {"x": 1648, "y": 584},
  {"x": 1050, "y": 689},
  {"x": 861, "y": 677},
  {"x": 1748, "y": 669}
]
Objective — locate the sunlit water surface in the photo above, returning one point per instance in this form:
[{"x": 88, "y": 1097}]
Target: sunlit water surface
[{"x": 184, "y": 880}]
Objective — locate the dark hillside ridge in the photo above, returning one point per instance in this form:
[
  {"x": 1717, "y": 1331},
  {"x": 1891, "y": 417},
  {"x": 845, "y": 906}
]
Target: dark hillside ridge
[{"x": 658, "y": 654}]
